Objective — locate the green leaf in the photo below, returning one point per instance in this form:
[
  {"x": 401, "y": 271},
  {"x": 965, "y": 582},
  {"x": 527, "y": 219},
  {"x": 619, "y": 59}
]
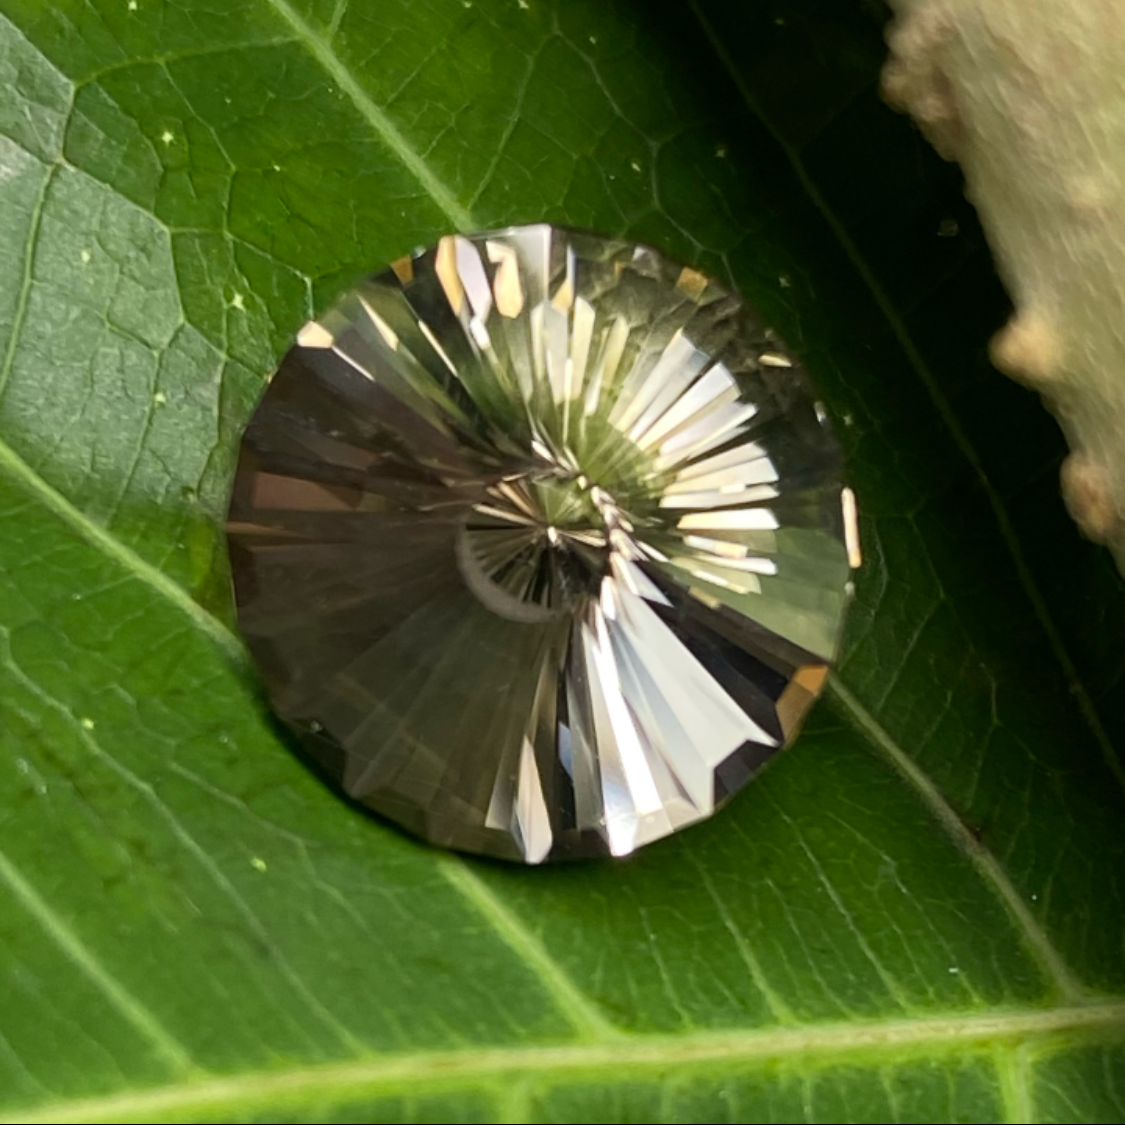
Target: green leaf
[{"x": 916, "y": 915}]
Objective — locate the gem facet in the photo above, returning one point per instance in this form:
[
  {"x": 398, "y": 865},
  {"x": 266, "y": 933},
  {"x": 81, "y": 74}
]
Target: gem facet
[{"x": 539, "y": 543}]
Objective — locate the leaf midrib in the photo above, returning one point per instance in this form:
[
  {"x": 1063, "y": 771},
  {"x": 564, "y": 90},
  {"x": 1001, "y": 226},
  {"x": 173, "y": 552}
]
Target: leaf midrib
[
  {"x": 571, "y": 1001},
  {"x": 640, "y": 1056},
  {"x": 464, "y": 1068}
]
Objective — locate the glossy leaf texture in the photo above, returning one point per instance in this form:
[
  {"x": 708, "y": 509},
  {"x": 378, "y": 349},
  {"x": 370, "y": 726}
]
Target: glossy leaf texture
[{"x": 915, "y": 915}]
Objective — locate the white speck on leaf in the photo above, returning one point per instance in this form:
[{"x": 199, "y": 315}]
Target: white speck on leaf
[
  {"x": 87, "y": 724},
  {"x": 594, "y": 40},
  {"x": 524, "y": 5},
  {"x": 85, "y": 256},
  {"x": 160, "y": 398},
  {"x": 258, "y": 863},
  {"x": 954, "y": 970},
  {"x": 635, "y": 165},
  {"x": 133, "y": 5},
  {"x": 238, "y": 302},
  {"x": 167, "y": 137},
  {"x": 277, "y": 167},
  {"x": 721, "y": 151},
  {"x": 22, "y": 766},
  {"x": 785, "y": 281}
]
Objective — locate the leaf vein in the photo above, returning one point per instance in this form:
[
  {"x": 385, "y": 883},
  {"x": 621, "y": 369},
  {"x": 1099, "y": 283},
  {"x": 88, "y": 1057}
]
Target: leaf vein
[
  {"x": 76, "y": 951},
  {"x": 337, "y": 18},
  {"x": 509, "y": 128},
  {"x": 188, "y": 842},
  {"x": 774, "y": 1001},
  {"x": 988, "y": 867},
  {"x": 1014, "y": 1071},
  {"x": 930, "y": 384},
  {"x": 387, "y": 131},
  {"x": 24, "y": 298},
  {"x": 18, "y": 470},
  {"x": 889, "y": 982},
  {"x": 579, "y": 1009},
  {"x": 819, "y": 1045}
]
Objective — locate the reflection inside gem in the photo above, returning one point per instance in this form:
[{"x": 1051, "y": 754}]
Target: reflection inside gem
[{"x": 539, "y": 541}]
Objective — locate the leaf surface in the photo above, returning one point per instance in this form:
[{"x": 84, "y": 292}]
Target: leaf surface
[{"x": 916, "y": 915}]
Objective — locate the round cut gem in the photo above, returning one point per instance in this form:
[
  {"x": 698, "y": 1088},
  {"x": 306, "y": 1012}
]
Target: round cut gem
[{"x": 540, "y": 542}]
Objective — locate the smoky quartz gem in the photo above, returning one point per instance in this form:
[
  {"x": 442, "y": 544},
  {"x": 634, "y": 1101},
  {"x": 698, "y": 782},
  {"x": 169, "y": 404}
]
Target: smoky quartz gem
[{"x": 540, "y": 543}]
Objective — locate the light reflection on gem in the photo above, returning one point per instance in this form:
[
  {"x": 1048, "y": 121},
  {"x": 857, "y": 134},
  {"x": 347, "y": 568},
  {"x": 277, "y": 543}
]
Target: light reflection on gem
[{"x": 540, "y": 542}]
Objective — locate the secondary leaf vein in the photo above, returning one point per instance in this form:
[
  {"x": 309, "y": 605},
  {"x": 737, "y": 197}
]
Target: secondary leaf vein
[
  {"x": 76, "y": 951},
  {"x": 987, "y": 865},
  {"x": 945, "y": 411},
  {"x": 98, "y": 537},
  {"x": 388, "y": 132},
  {"x": 579, "y": 1009},
  {"x": 24, "y": 298}
]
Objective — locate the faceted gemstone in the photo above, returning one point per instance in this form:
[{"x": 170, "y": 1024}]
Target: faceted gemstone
[{"x": 540, "y": 543}]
